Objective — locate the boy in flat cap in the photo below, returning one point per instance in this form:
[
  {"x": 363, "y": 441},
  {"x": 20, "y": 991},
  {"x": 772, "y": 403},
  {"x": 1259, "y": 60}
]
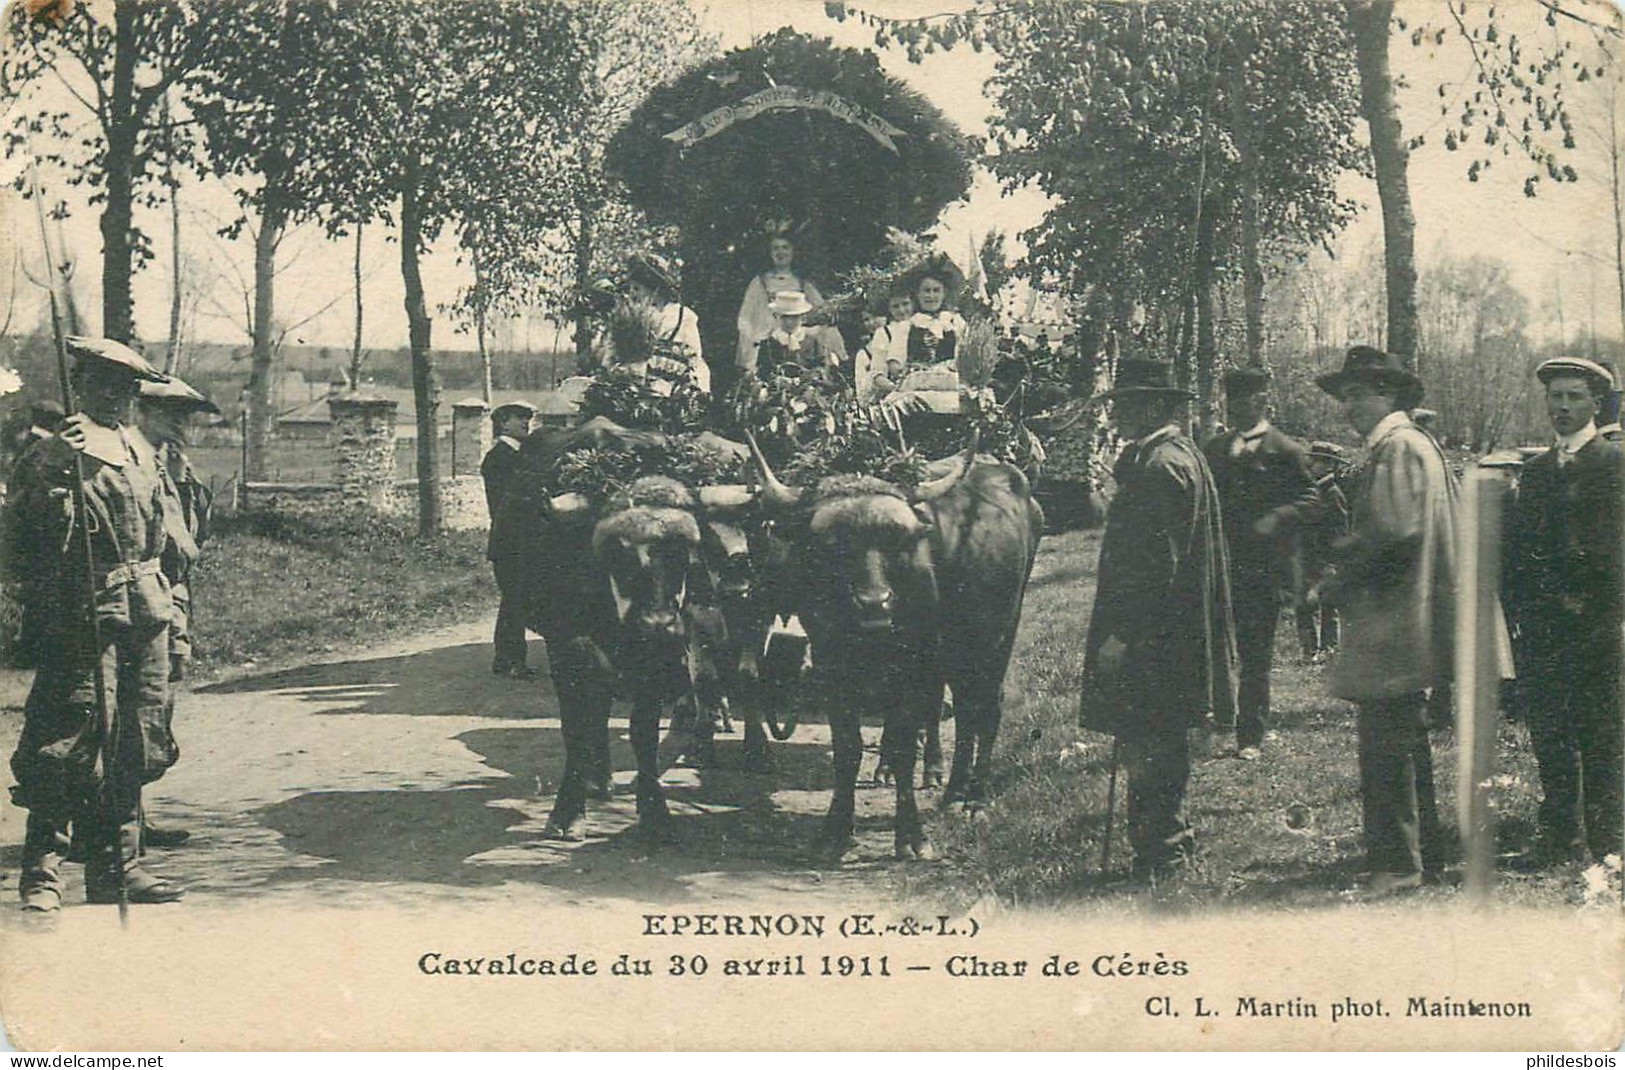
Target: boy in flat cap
[
  {"x": 1563, "y": 591},
  {"x": 1395, "y": 584},
  {"x": 1265, "y": 493},
  {"x": 67, "y": 772},
  {"x": 166, "y": 411},
  {"x": 500, "y": 470}
]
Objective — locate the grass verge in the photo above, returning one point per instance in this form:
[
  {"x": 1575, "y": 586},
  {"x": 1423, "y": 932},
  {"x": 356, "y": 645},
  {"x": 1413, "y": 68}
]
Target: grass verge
[
  {"x": 1281, "y": 832},
  {"x": 271, "y": 588}
]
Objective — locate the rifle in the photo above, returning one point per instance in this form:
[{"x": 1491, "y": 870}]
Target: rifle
[{"x": 107, "y": 752}]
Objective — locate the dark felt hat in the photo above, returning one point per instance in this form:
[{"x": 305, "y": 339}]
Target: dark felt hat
[
  {"x": 513, "y": 408},
  {"x": 176, "y": 394},
  {"x": 1139, "y": 376},
  {"x": 1246, "y": 380},
  {"x": 1367, "y": 364},
  {"x": 107, "y": 352},
  {"x": 1600, "y": 378}
]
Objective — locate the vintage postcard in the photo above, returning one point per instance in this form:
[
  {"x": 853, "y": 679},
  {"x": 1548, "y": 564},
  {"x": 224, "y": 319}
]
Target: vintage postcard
[{"x": 800, "y": 525}]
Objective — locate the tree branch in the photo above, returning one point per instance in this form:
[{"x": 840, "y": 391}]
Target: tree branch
[{"x": 1613, "y": 31}]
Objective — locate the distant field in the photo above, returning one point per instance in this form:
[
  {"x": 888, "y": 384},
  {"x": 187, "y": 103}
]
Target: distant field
[{"x": 290, "y": 462}]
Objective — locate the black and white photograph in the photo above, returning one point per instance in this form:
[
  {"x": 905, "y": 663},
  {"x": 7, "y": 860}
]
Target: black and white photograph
[{"x": 539, "y": 525}]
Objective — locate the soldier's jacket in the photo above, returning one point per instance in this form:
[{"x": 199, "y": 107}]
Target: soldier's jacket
[
  {"x": 188, "y": 503},
  {"x": 126, "y": 496}
]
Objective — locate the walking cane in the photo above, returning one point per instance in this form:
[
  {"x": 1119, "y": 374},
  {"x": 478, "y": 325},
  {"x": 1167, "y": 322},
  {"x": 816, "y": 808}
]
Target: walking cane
[
  {"x": 107, "y": 754},
  {"x": 1111, "y": 809}
]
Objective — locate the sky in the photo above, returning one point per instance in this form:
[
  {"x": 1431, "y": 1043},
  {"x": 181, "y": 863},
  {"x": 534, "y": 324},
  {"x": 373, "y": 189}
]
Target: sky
[{"x": 1560, "y": 240}]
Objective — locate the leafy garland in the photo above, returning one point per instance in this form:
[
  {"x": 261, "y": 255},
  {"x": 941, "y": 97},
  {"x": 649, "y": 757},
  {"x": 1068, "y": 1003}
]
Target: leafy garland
[{"x": 602, "y": 472}]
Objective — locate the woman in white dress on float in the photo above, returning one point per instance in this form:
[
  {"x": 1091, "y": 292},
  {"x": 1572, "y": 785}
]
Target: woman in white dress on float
[{"x": 756, "y": 319}]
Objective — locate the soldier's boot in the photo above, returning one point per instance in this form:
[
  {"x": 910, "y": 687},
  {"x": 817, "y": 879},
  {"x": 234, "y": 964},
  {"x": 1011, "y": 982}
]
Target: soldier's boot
[
  {"x": 140, "y": 885},
  {"x": 44, "y": 845}
]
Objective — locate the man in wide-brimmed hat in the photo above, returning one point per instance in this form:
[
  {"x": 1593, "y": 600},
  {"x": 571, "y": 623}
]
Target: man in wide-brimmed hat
[
  {"x": 1266, "y": 493},
  {"x": 65, "y": 775},
  {"x": 166, "y": 411},
  {"x": 500, "y": 469},
  {"x": 1161, "y": 655},
  {"x": 1565, "y": 592},
  {"x": 1395, "y": 584}
]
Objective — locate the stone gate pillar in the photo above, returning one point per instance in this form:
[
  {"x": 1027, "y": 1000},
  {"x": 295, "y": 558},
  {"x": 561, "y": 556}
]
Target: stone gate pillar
[
  {"x": 363, "y": 449},
  {"x": 470, "y": 436}
]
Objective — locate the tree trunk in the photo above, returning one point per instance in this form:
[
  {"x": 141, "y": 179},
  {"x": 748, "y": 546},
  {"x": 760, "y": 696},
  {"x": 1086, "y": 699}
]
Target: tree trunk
[
  {"x": 425, "y": 386},
  {"x": 1619, "y": 209},
  {"x": 1252, "y": 270},
  {"x": 481, "y": 299},
  {"x": 585, "y": 237},
  {"x": 273, "y": 218},
  {"x": 1368, "y": 21},
  {"x": 360, "y": 309},
  {"x": 172, "y": 352},
  {"x": 122, "y": 127}
]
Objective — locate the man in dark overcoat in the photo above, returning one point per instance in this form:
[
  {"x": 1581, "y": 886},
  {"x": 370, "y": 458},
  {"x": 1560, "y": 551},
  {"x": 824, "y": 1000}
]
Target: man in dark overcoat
[
  {"x": 500, "y": 469},
  {"x": 1161, "y": 653},
  {"x": 72, "y": 768},
  {"x": 1565, "y": 594},
  {"x": 1266, "y": 494}
]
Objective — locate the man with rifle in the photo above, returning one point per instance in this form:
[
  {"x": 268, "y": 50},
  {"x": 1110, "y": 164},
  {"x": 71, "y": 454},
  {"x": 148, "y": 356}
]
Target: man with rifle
[{"x": 85, "y": 531}]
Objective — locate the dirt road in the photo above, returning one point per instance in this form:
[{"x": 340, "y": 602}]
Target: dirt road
[{"x": 409, "y": 774}]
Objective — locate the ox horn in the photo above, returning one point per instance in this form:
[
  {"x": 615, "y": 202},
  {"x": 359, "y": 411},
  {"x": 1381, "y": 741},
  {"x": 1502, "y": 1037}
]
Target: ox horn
[
  {"x": 569, "y": 502},
  {"x": 935, "y": 488},
  {"x": 776, "y": 493},
  {"x": 725, "y": 496}
]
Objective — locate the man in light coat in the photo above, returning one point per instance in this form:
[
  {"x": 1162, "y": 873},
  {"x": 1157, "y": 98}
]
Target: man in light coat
[{"x": 1394, "y": 581}]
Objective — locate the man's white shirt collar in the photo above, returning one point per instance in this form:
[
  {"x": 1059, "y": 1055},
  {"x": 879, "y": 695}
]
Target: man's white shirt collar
[
  {"x": 1256, "y": 431},
  {"x": 510, "y": 440},
  {"x": 1397, "y": 418},
  {"x": 1571, "y": 444}
]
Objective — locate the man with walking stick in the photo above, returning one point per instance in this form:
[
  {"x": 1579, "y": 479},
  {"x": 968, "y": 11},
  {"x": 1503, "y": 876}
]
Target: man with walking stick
[
  {"x": 1161, "y": 652},
  {"x": 94, "y": 725}
]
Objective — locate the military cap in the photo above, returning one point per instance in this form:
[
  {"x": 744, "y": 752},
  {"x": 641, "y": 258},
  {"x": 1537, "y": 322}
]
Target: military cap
[
  {"x": 1246, "y": 380},
  {"x": 513, "y": 408},
  {"x": 176, "y": 394},
  {"x": 113, "y": 354},
  {"x": 1598, "y": 377}
]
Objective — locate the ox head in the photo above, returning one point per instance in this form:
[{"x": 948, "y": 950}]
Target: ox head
[
  {"x": 645, "y": 543},
  {"x": 863, "y": 543}
]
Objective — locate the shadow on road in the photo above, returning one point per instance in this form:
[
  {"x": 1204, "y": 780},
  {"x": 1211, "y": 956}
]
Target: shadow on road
[
  {"x": 436, "y": 682},
  {"x": 728, "y": 826}
]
